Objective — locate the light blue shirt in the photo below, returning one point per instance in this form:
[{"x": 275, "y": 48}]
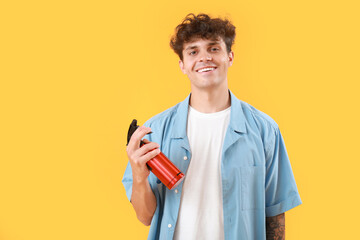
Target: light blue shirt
[{"x": 257, "y": 180}]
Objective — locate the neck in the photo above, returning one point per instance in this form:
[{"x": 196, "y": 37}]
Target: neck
[{"x": 210, "y": 101}]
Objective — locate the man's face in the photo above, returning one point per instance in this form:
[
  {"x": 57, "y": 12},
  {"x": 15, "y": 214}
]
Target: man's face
[{"x": 206, "y": 62}]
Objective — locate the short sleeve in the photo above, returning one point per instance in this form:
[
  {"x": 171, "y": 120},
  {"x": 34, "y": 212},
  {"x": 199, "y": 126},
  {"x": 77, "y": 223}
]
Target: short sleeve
[
  {"x": 281, "y": 192},
  {"x": 127, "y": 181}
]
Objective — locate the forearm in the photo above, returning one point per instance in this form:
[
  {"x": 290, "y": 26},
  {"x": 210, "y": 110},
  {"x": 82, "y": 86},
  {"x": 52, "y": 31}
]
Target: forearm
[
  {"x": 143, "y": 201},
  {"x": 275, "y": 227}
]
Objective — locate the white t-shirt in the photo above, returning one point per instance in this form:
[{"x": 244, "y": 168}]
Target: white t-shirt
[{"x": 201, "y": 207}]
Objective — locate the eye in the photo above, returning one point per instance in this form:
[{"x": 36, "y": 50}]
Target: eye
[
  {"x": 214, "y": 49},
  {"x": 192, "y": 53}
]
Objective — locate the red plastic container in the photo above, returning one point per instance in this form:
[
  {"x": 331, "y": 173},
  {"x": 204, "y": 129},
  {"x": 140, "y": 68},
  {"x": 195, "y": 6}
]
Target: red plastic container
[
  {"x": 166, "y": 171},
  {"x": 160, "y": 165}
]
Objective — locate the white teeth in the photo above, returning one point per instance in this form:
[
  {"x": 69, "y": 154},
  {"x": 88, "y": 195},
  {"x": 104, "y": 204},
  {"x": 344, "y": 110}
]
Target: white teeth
[{"x": 206, "y": 69}]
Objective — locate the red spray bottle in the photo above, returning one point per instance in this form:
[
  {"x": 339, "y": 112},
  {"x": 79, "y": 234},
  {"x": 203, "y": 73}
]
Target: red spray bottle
[{"x": 160, "y": 165}]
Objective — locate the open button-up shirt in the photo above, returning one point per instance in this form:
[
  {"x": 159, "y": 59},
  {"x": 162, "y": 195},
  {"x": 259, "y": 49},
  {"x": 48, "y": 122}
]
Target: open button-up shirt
[{"x": 257, "y": 179}]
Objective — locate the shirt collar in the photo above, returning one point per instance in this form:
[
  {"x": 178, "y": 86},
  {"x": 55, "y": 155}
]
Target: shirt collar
[{"x": 237, "y": 117}]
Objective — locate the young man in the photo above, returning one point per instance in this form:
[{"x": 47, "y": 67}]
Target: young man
[{"x": 238, "y": 179}]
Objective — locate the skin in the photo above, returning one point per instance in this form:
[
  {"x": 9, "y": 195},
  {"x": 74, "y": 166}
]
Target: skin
[
  {"x": 209, "y": 90},
  {"x": 142, "y": 197},
  {"x": 275, "y": 227},
  {"x": 209, "y": 93}
]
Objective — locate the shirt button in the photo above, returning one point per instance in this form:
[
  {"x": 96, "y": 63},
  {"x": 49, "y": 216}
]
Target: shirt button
[
  {"x": 176, "y": 191},
  {"x": 169, "y": 226},
  {"x": 185, "y": 157}
]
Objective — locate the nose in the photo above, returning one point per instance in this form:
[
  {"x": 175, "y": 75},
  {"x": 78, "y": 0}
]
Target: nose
[{"x": 205, "y": 57}]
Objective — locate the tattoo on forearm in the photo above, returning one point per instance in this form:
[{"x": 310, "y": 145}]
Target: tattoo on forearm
[{"x": 275, "y": 227}]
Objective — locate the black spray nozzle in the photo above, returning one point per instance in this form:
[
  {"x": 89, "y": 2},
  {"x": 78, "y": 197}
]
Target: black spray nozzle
[{"x": 132, "y": 129}]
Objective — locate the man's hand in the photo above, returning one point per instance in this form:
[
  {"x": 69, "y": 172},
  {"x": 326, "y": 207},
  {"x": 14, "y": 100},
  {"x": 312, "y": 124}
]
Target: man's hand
[
  {"x": 275, "y": 227},
  {"x": 142, "y": 197},
  {"x": 138, "y": 156}
]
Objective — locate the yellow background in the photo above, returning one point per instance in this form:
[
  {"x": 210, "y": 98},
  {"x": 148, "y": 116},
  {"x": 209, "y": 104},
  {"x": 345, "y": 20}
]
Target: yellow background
[{"x": 75, "y": 73}]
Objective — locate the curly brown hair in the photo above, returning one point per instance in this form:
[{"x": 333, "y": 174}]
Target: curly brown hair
[{"x": 202, "y": 26}]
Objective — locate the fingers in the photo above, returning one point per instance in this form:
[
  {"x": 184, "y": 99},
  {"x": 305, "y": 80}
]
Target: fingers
[
  {"x": 140, "y": 155},
  {"x": 149, "y": 155},
  {"x": 135, "y": 139},
  {"x": 146, "y": 148}
]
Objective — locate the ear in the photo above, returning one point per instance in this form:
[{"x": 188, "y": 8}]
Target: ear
[
  {"x": 231, "y": 58},
  {"x": 181, "y": 64}
]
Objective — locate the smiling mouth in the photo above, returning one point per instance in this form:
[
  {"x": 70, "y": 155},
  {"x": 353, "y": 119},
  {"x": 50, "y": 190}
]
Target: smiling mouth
[{"x": 207, "y": 69}]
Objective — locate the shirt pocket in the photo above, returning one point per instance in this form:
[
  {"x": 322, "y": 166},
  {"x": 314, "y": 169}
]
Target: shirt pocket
[{"x": 252, "y": 187}]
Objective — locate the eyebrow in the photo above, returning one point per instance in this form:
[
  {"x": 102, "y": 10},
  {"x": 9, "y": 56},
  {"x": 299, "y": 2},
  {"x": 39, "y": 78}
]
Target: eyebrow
[{"x": 195, "y": 46}]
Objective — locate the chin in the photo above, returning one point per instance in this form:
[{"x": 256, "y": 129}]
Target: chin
[
  {"x": 203, "y": 83},
  {"x": 204, "y": 86}
]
